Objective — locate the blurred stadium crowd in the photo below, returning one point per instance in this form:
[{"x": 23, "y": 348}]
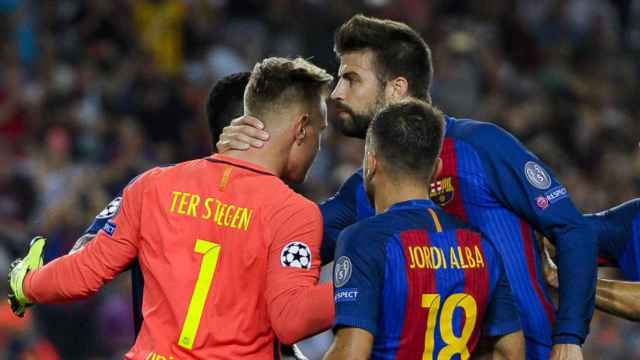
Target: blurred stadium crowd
[{"x": 94, "y": 92}]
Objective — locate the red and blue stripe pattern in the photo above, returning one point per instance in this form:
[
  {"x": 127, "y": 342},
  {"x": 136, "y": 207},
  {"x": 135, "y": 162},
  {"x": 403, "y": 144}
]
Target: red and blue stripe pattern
[
  {"x": 474, "y": 202},
  {"x": 413, "y": 329}
]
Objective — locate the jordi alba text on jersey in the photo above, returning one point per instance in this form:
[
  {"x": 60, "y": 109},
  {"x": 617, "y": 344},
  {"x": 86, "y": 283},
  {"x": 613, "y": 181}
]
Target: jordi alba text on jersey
[{"x": 455, "y": 257}]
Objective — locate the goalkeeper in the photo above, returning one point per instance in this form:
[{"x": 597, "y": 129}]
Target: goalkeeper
[
  {"x": 223, "y": 103},
  {"x": 226, "y": 222}
]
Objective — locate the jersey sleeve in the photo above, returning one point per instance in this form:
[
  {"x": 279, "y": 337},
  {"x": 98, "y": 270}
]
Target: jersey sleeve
[
  {"x": 83, "y": 273},
  {"x": 297, "y": 306},
  {"x": 522, "y": 183},
  {"x": 358, "y": 278},
  {"x": 338, "y": 212},
  {"x": 502, "y": 316},
  {"x": 615, "y": 227},
  {"x": 101, "y": 219}
]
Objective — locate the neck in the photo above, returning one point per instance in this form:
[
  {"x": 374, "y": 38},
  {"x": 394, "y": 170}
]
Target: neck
[
  {"x": 274, "y": 154},
  {"x": 392, "y": 192},
  {"x": 269, "y": 157}
]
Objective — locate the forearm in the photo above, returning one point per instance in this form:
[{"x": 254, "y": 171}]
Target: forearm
[
  {"x": 58, "y": 282},
  {"x": 351, "y": 344},
  {"x": 302, "y": 312},
  {"x": 510, "y": 347},
  {"x": 79, "y": 275},
  {"x": 619, "y": 298},
  {"x": 342, "y": 352},
  {"x": 576, "y": 254}
]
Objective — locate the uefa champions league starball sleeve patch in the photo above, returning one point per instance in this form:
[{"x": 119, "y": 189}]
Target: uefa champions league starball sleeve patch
[
  {"x": 111, "y": 210},
  {"x": 296, "y": 255}
]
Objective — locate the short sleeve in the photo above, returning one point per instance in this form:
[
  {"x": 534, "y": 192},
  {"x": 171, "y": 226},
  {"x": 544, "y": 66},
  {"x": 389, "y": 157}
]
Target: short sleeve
[{"x": 358, "y": 278}]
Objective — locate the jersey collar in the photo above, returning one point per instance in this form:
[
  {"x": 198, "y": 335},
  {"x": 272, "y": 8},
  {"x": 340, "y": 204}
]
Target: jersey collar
[
  {"x": 448, "y": 120},
  {"x": 413, "y": 204},
  {"x": 218, "y": 158}
]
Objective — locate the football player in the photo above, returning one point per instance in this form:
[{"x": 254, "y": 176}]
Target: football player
[
  {"x": 413, "y": 282},
  {"x": 224, "y": 102},
  {"x": 228, "y": 251},
  {"x": 489, "y": 179}
]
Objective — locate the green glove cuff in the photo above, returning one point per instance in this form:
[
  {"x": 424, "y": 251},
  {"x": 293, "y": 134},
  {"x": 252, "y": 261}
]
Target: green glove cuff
[{"x": 31, "y": 262}]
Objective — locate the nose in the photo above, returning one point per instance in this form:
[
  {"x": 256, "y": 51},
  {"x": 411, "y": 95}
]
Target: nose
[{"x": 338, "y": 91}]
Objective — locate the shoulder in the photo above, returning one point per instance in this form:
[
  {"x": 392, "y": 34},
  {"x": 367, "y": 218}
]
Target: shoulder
[
  {"x": 302, "y": 204},
  {"x": 348, "y": 192},
  {"x": 143, "y": 179},
  {"x": 288, "y": 208},
  {"x": 480, "y": 134},
  {"x": 158, "y": 172},
  {"x": 359, "y": 246},
  {"x": 353, "y": 182},
  {"x": 356, "y": 177},
  {"x": 370, "y": 232}
]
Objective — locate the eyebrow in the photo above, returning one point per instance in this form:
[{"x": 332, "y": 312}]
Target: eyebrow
[{"x": 349, "y": 74}]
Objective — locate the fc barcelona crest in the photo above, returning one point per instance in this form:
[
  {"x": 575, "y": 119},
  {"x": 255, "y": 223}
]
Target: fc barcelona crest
[{"x": 441, "y": 191}]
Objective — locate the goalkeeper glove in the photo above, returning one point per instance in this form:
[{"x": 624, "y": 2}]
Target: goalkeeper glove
[{"x": 18, "y": 271}]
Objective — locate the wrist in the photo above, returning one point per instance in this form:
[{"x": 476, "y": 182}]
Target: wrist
[
  {"x": 20, "y": 290},
  {"x": 566, "y": 339}
]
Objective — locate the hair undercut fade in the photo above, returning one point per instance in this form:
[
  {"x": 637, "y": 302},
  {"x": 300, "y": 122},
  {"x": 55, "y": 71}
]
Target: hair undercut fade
[
  {"x": 277, "y": 82},
  {"x": 400, "y": 50},
  {"x": 408, "y": 136},
  {"x": 225, "y": 102}
]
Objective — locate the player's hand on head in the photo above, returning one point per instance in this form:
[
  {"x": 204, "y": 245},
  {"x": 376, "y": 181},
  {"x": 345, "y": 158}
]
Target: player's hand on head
[
  {"x": 243, "y": 132},
  {"x": 18, "y": 271},
  {"x": 566, "y": 352}
]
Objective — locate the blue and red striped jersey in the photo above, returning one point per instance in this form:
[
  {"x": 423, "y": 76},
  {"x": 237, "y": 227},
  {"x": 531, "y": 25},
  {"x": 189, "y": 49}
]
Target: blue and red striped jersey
[
  {"x": 423, "y": 283},
  {"x": 491, "y": 181}
]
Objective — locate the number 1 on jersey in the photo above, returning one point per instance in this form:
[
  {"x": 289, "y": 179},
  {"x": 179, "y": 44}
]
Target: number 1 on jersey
[{"x": 210, "y": 252}]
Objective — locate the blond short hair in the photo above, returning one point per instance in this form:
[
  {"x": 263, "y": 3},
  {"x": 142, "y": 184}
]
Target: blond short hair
[{"x": 278, "y": 82}]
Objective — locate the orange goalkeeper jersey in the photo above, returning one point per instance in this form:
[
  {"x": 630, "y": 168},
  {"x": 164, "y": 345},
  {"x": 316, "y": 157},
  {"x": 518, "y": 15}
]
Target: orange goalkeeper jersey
[{"x": 229, "y": 255}]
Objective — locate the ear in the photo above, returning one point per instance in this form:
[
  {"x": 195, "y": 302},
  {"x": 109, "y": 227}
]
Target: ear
[
  {"x": 437, "y": 169},
  {"x": 371, "y": 165},
  {"x": 300, "y": 128},
  {"x": 397, "y": 89}
]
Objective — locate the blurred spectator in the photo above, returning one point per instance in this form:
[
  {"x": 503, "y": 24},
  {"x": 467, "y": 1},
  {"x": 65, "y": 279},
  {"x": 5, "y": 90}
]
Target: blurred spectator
[
  {"x": 160, "y": 26},
  {"x": 18, "y": 201},
  {"x": 13, "y": 111}
]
